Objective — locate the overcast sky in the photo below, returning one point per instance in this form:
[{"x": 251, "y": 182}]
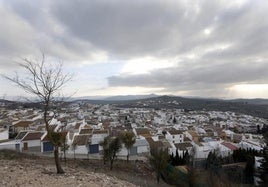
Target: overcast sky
[{"x": 189, "y": 47}]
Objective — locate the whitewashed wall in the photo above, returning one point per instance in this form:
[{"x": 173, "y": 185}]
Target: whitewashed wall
[
  {"x": 8, "y": 145},
  {"x": 4, "y": 135}
]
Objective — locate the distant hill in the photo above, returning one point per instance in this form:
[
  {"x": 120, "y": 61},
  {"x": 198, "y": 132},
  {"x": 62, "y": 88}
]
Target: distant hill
[
  {"x": 130, "y": 97},
  {"x": 251, "y": 107},
  {"x": 116, "y": 98},
  {"x": 256, "y": 101},
  {"x": 254, "y": 107}
]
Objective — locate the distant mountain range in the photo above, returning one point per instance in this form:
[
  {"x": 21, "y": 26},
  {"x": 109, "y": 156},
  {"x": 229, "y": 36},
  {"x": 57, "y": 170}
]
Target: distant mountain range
[
  {"x": 116, "y": 98},
  {"x": 255, "y": 101},
  {"x": 254, "y": 107}
]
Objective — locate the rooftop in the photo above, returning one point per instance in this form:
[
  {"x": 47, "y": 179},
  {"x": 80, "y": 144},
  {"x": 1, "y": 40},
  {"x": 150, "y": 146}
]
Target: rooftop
[{"x": 33, "y": 136}]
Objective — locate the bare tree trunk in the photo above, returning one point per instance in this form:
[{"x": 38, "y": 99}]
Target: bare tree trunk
[
  {"x": 64, "y": 154},
  {"x": 49, "y": 134},
  {"x": 158, "y": 178},
  {"x": 128, "y": 155},
  {"x": 57, "y": 161},
  {"x": 111, "y": 164}
]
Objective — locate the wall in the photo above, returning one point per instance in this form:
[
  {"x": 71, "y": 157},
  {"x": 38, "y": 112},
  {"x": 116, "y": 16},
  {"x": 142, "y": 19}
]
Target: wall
[
  {"x": 97, "y": 138},
  {"x": 81, "y": 149},
  {"x": 4, "y": 135},
  {"x": 178, "y": 138},
  {"x": 143, "y": 149},
  {"x": 8, "y": 145},
  {"x": 33, "y": 145}
]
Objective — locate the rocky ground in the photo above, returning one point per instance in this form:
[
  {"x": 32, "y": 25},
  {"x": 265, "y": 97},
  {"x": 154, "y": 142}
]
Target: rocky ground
[{"x": 19, "y": 171}]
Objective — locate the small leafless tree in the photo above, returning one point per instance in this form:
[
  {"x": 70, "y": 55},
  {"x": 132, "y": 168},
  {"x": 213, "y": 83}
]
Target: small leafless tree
[
  {"x": 45, "y": 81},
  {"x": 74, "y": 147},
  {"x": 128, "y": 138}
]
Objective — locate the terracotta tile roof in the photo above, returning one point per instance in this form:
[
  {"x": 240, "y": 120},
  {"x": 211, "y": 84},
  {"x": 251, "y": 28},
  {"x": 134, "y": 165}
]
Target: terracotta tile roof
[
  {"x": 86, "y": 131},
  {"x": 45, "y": 138},
  {"x": 229, "y": 145},
  {"x": 106, "y": 124},
  {"x": 175, "y": 132},
  {"x": 81, "y": 139},
  {"x": 237, "y": 138},
  {"x": 77, "y": 125},
  {"x": 150, "y": 141},
  {"x": 115, "y": 132},
  {"x": 183, "y": 146},
  {"x": 22, "y": 123},
  {"x": 193, "y": 133},
  {"x": 100, "y": 132},
  {"x": 186, "y": 139},
  {"x": 33, "y": 136},
  {"x": 87, "y": 126},
  {"x": 143, "y": 131}
]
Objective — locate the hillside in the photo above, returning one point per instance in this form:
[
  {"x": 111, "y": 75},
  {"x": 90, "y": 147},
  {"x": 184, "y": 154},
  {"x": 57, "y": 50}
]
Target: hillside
[
  {"x": 254, "y": 107},
  {"x": 249, "y": 107},
  {"x": 18, "y": 169}
]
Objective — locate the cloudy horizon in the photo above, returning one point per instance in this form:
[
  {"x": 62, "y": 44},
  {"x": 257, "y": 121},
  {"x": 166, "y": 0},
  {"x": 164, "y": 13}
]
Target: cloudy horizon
[{"x": 185, "y": 48}]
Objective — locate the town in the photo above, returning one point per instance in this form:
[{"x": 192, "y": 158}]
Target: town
[{"x": 87, "y": 125}]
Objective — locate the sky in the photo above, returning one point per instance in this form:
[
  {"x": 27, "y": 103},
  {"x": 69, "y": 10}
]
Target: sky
[{"x": 204, "y": 48}]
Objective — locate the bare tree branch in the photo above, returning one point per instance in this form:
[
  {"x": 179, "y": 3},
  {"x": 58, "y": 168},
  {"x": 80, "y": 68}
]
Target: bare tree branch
[{"x": 45, "y": 81}]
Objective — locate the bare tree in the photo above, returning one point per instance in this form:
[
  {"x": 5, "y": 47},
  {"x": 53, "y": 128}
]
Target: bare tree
[
  {"x": 45, "y": 81},
  {"x": 64, "y": 147},
  {"x": 128, "y": 138},
  {"x": 111, "y": 146},
  {"x": 74, "y": 147},
  {"x": 158, "y": 161}
]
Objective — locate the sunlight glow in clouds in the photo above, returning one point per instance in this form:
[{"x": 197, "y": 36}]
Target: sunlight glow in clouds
[
  {"x": 207, "y": 31},
  {"x": 249, "y": 90},
  {"x": 145, "y": 65}
]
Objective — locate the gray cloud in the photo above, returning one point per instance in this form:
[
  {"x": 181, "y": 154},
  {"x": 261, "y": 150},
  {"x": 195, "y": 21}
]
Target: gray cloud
[
  {"x": 29, "y": 28},
  {"x": 76, "y": 30},
  {"x": 189, "y": 77}
]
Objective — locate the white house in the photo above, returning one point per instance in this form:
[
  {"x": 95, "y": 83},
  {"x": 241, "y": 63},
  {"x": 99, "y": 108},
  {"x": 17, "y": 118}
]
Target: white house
[
  {"x": 80, "y": 144},
  {"x": 31, "y": 141},
  {"x": 142, "y": 145},
  {"x": 174, "y": 136},
  {"x": 202, "y": 150},
  {"x": 247, "y": 144},
  {"x": 227, "y": 148},
  {"x": 97, "y": 137}
]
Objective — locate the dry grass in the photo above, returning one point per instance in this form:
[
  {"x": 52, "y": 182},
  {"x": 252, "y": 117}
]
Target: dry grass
[{"x": 136, "y": 172}]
